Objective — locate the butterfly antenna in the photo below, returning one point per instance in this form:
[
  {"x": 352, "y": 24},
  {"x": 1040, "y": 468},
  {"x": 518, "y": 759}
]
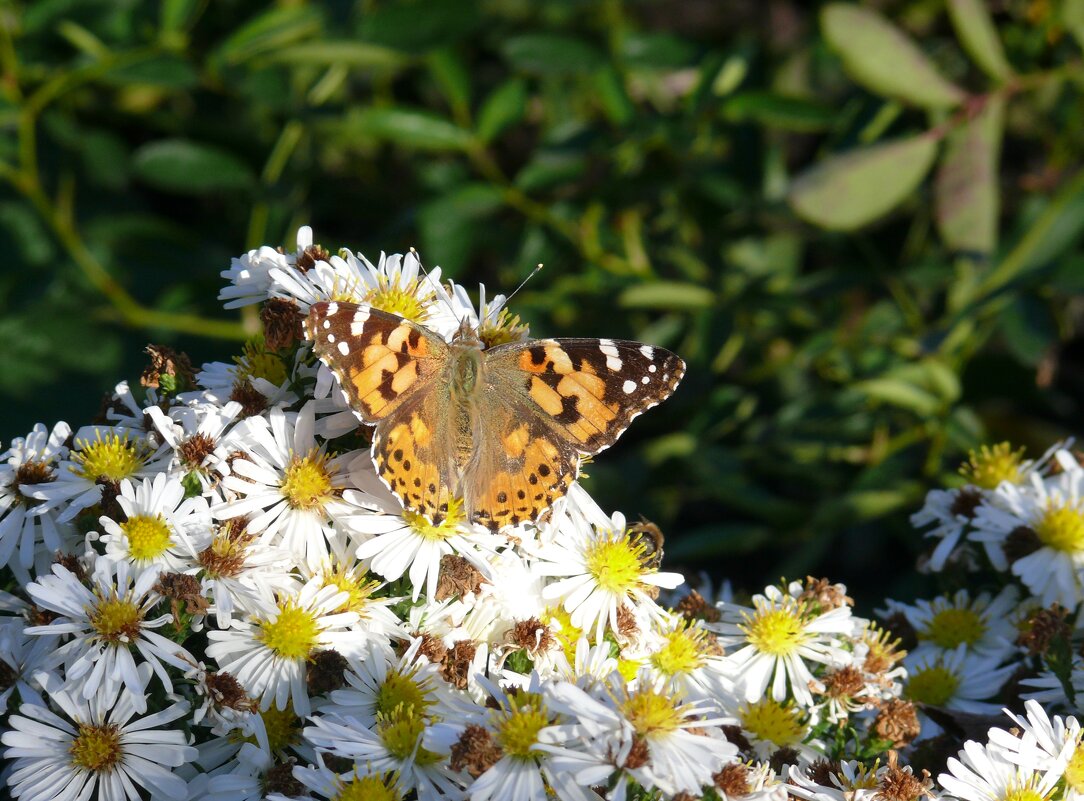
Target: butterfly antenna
[
  {"x": 441, "y": 295},
  {"x": 522, "y": 283}
]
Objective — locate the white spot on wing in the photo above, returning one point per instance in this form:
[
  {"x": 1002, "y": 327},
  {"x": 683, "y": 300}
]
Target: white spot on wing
[
  {"x": 645, "y": 380},
  {"x": 652, "y": 368},
  {"x": 610, "y": 351},
  {"x": 647, "y": 351},
  {"x": 629, "y": 387},
  {"x": 331, "y": 338},
  {"x": 327, "y": 323},
  {"x": 344, "y": 348},
  {"x": 358, "y": 323},
  {"x": 332, "y": 308}
]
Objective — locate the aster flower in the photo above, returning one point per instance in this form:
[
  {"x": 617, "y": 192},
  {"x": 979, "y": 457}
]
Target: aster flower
[
  {"x": 249, "y": 275},
  {"x": 954, "y": 680},
  {"x": 108, "y": 621},
  {"x": 984, "y": 773},
  {"x": 851, "y": 780},
  {"x": 258, "y": 379},
  {"x": 492, "y": 320},
  {"x": 1043, "y": 520},
  {"x": 288, "y": 486},
  {"x": 195, "y": 433},
  {"x": 326, "y": 783},
  {"x": 95, "y": 746},
  {"x": 946, "y": 514},
  {"x": 777, "y": 636},
  {"x": 984, "y": 623},
  {"x": 1049, "y": 741},
  {"x": 22, "y": 658},
  {"x": 29, "y": 537},
  {"x": 772, "y": 726},
  {"x": 269, "y": 653},
  {"x": 601, "y": 572},
  {"x": 160, "y": 527}
]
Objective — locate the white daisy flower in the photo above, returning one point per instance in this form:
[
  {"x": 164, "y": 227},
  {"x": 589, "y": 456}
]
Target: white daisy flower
[
  {"x": 269, "y": 653},
  {"x": 948, "y": 513},
  {"x": 491, "y": 319},
  {"x": 22, "y": 657},
  {"x": 654, "y": 738},
  {"x": 984, "y": 773},
  {"x": 771, "y": 726},
  {"x": 756, "y": 781},
  {"x": 327, "y": 784},
  {"x": 1042, "y": 523},
  {"x": 161, "y": 528},
  {"x": 125, "y": 414},
  {"x": 195, "y": 433},
  {"x": 249, "y": 275},
  {"x": 288, "y": 486},
  {"x": 107, "y": 620},
  {"x": 243, "y": 778},
  {"x": 95, "y": 747},
  {"x": 258, "y": 379},
  {"x": 851, "y": 780},
  {"x": 28, "y": 537},
  {"x": 601, "y": 572},
  {"x": 401, "y": 541},
  {"x": 686, "y": 657},
  {"x": 954, "y": 680},
  {"x": 984, "y": 624},
  {"x": 1052, "y": 742},
  {"x": 777, "y": 636}
]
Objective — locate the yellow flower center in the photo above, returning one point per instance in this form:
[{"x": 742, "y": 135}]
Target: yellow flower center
[
  {"x": 951, "y": 627},
  {"x": 519, "y": 724},
  {"x": 684, "y": 650},
  {"x": 116, "y": 620},
  {"x": 441, "y": 531},
  {"x": 401, "y": 690},
  {"x": 771, "y": 720},
  {"x": 1074, "y": 771},
  {"x": 399, "y": 299},
  {"x": 283, "y": 727},
  {"x": 628, "y": 668},
  {"x": 400, "y": 730},
  {"x": 614, "y": 562},
  {"x": 291, "y": 635},
  {"x": 776, "y": 632},
  {"x": 110, "y": 457},
  {"x": 1025, "y": 791},
  {"x": 934, "y": 685},
  {"x": 96, "y": 748},
  {"x": 374, "y": 787},
  {"x": 256, "y": 361},
  {"x": 989, "y": 466},
  {"x": 503, "y": 328},
  {"x": 650, "y": 712},
  {"x": 307, "y": 484},
  {"x": 1062, "y": 527},
  {"x": 357, "y": 588},
  {"x": 148, "y": 537}
]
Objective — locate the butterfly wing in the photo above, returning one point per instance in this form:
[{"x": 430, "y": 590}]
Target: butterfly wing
[
  {"x": 552, "y": 401},
  {"x": 380, "y": 359},
  {"x": 394, "y": 373}
]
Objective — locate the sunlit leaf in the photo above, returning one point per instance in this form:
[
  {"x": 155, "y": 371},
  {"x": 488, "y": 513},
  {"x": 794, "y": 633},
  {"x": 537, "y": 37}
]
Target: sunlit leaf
[
  {"x": 412, "y": 128},
  {"x": 186, "y": 167},
  {"x": 551, "y": 54},
  {"x": 976, "y": 32},
  {"x": 502, "y": 109}
]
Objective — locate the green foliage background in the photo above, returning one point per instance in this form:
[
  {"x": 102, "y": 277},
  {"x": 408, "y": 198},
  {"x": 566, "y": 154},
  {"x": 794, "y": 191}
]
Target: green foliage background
[{"x": 860, "y": 224}]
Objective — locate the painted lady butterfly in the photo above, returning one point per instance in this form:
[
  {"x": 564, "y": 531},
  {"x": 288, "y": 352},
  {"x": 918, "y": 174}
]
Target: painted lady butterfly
[{"x": 503, "y": 429}]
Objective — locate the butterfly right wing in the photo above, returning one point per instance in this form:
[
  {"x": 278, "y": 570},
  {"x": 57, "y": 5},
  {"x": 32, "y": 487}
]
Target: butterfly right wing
[{"x": 380, "y": 359}]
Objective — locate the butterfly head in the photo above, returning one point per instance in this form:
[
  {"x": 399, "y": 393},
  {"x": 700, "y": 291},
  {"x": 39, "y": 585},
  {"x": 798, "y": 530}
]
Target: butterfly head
[{"x": 467, "y": 335}]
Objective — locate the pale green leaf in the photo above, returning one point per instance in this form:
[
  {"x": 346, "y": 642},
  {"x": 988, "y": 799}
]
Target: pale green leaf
[
  {"x": 411, "y": 128},
  {"x": 186, "y": 167},
  {"x": 336, "y": 52},
  {"x": 976, "y": 32},
  {"x": 666, "y": 295},
  {"x": 847, "y": 191},
  {"x": 503, "y": 108},
  {"x": 884, "y": 59}
]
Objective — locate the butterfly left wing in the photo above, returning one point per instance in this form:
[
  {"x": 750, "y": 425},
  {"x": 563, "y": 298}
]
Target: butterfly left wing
[{"x": 546, "y": 403}]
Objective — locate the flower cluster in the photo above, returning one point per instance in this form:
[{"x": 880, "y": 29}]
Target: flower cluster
[{"x": 214, "y": 596}]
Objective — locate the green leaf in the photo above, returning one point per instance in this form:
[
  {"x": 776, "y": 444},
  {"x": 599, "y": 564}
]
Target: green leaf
[
  {"x": 977, "y": 34},
  {"x": 551, "y": 54},
  {"x": 450, "y": 224},
  {"x": 657, "y": 51},
  {"x": 897, "y": 392},
  {"x": 504, "y": 107},
  {"x": 412, "y": 128},
  {"x": 779, "y": 111},
  {"x": 966, "y": 197},
  {"x": 451, "y": 75},
  {"x": 269, "y": 31},
  {"x": 176, "y": 15},
  {"x": 666, "y": 295},
  {"x": 1072, "y": 17},
  {"x": 883, "y": 58},
  {"x": 186, "y": 167},
  {"x": 550, "y": 167},
  {"x": 166, "y": 71},
  {"x": 420, "y": 26},
  {"x": 337, "y": 52},
  {"x": 611, "y": 94},
  {"x": 1029, "y": 329},
  {"x": 850, "y": 190}
]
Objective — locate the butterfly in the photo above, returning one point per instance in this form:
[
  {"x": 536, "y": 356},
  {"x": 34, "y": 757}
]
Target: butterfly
[{"x": 500, "y": 431}]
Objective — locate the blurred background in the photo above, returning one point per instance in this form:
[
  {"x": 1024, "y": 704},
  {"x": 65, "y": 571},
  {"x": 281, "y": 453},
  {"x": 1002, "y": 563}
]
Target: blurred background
[{"x": 860, "y": 224}]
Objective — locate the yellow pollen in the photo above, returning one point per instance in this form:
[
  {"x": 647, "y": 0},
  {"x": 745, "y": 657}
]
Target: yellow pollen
[
  {"x": 1062, "y": 527},
  {"x": 503, "y": 329},
  {"x": 776, "y": 632},
  {"x": 651, "y": 712},
  {"x": 400, "y": 299},
  {"x": 108, "y": 457},
  {"x": 148, "y": 537},
  {"x": 684, "y": 650},
  {"x": 307, "y": 484},
  {"x": 1025, "y": 791},
  {"x": 1074, "y": 771},
  {"x": 519, "y": 723},
  {"x": 933, "y": 685},
  {"x": 568, "y": 635},
  {"x": 628, "y": 668},
  {"x": 951, "y": 627},
  {"x": 357, "y": 588},
  {"x": 374, "y": 787},
  {"x": 400, "y": 730},
  {"x": 778, "y": 723},
  {"x": 256, "y": 361},
  {"x": 116, "y": 620},
  {"x": 441, "y": 531},
  {"x": 989, "y": 466},
  {"x": 96, "y": 749},
  {"x": 283, "y": 728},
  {"x": 402, "y": 690},
  {"x": 614, "y": 562},
  {"x": 293, "y": 634}
]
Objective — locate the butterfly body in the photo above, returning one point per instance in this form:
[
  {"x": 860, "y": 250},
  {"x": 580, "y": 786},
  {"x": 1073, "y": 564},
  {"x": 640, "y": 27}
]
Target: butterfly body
[{"x": 500, "y": 429}]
